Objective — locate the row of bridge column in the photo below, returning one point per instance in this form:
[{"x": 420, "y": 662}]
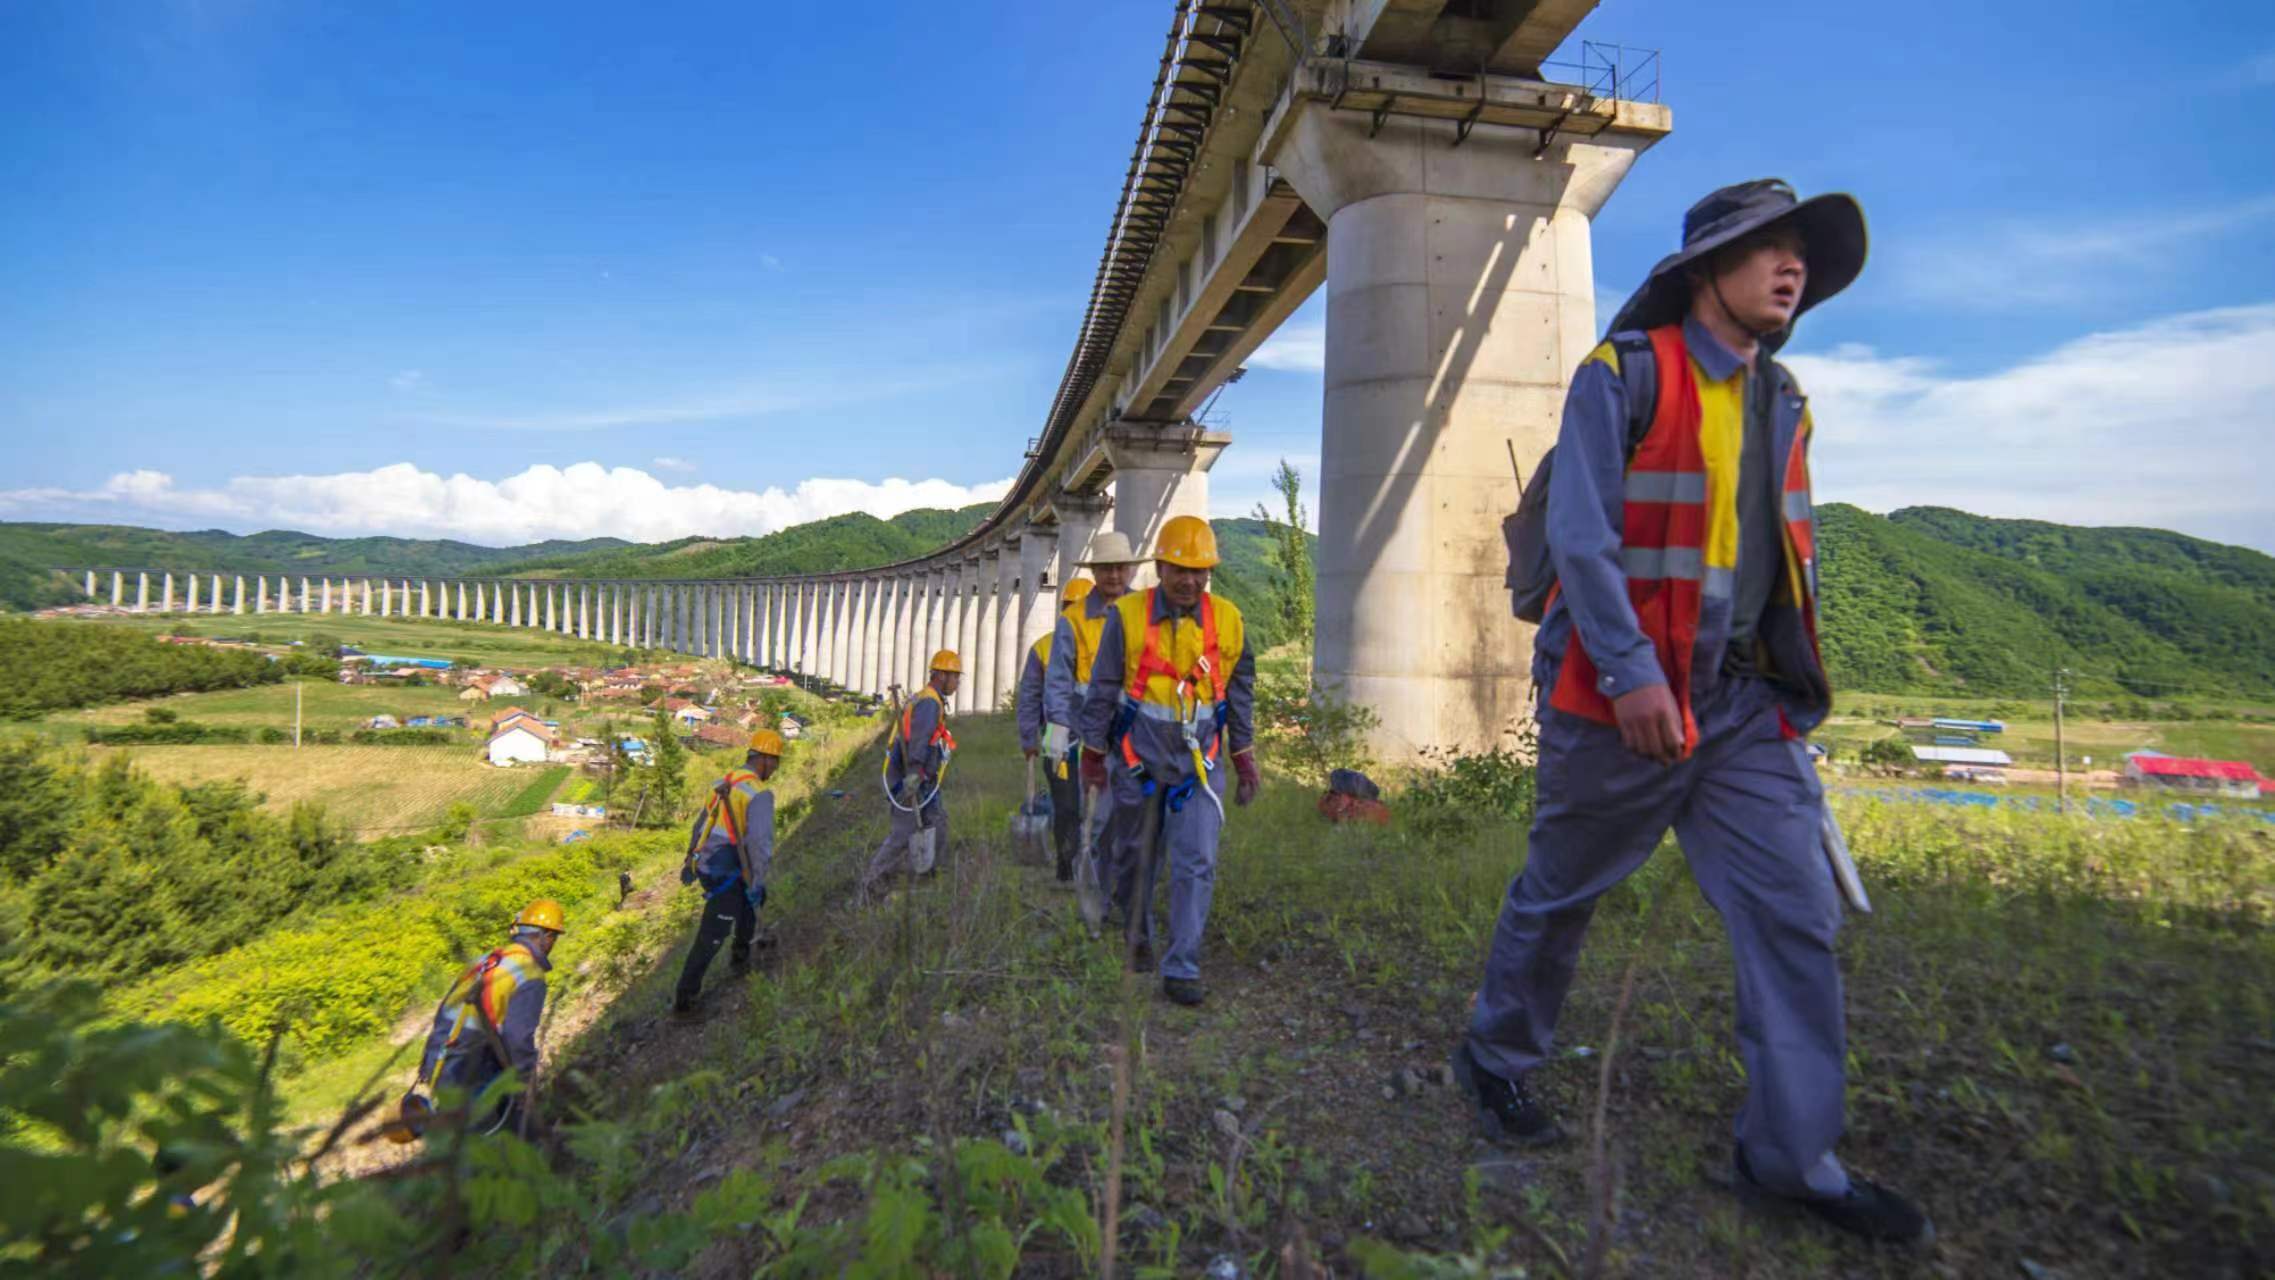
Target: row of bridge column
[{"x": 864, "y": 632}]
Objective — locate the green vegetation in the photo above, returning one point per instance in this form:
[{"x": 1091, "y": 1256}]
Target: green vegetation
[
  {"x": 947, "y": 1083},
  {"x": 475, "y": 644},
  {"x": 30, "y": 551},
  {"x": 52, "y": 665},
  {"x": 841, "y": 542},
  {"x": 1934, "y": 600},
  {"x": 107, "y": 874},
  {"x": 368, "y": 790},
  {"x": 1292, "y": 559},
  {"x": 538, "y": 793}
]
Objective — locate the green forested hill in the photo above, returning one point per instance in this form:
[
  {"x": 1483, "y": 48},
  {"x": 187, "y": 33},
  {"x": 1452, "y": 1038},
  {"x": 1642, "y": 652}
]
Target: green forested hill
[
  {"x": 1933, "y": 599},
  {"x": 28, "y": 551},
  {"x": 1925, "y": 599}
]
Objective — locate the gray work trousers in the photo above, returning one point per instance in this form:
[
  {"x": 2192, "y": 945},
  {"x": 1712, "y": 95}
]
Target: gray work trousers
[
  {"x": 1745, "y": 807},
  {"x": 1185, "y": 846},
  {"x": 898, "y": 852}
]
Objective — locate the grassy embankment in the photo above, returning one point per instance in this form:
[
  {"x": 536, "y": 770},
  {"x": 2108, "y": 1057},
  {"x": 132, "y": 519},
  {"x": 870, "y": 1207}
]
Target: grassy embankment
[
  {"x": 2062, "y": 1037},
  {"x": 349, "y": 987},
  {"x": 485, "y": 644},
  {"x": 2249, "y": 735}
]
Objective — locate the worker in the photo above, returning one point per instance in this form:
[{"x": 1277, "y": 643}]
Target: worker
[
  {"x": 1034, "y": 727},
  {"x": 1171, "y": 696},
  {"x": 1679, "y": 661},
  {"x": 1113, "y": 564},
  {"x": 487, "y": 1023},
  {"x": 730, "y": 850},
  {"x": 916, "y": 762}
]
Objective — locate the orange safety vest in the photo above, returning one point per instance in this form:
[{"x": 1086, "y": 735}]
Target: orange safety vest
[
  {"x": 940, "y": 732},
  {"x": 1679, "y": 528},
  {"x": 1151, "y": 674}
]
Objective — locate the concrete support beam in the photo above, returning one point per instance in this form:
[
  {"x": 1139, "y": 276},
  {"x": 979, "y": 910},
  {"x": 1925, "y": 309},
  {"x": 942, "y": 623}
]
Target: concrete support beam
[
  {"x": 981, "y": 662},
  {"x": 968, "y": 637},
  {"x": 1038, "y": 550},
  {"x": 1159, "y": 473},
  {"x": 1078, "y": 520},
  {"x": 1003, "y": 622},
  {"x": 90, "y": 592},
  {"x": 166, "y": 594},
  {"x": 142, "y": 592},
  {"x": 1460, "y": 296},
  {"x": 237, "y": 602},
  {"x": 903, "y": 624},
  {"x": 118, "y": 589},
  {"x": 936, "y": 588}
]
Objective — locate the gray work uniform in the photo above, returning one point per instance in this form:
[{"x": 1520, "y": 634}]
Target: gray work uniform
[
  {"x": 1745, "y": 805},
  {"x": 1062, "y": 705},
  {"x": 912, "y": 773},
  {"x": 1059, "y": 773},
  {"x": 1184, "y": 831}
]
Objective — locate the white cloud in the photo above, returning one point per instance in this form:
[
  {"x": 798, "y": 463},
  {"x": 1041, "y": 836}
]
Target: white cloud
[
  {"x": 585, "y": 500},
  {"x": 2042, "y": 263},
  {"x": 2166, "y": 425},
  {"x": 1297, "y": 347},
  {"x": 669, "y": 463}
]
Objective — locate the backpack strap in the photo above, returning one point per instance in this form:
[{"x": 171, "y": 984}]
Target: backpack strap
[{"x": 1639, "y": 372}]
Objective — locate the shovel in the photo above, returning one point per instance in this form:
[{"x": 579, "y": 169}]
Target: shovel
[
  {"x": 1031, "y": 823},
  {"x": 1089, "y": 876}
]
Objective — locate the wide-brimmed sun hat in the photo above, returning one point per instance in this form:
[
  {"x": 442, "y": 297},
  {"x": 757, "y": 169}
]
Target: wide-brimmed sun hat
[{"x": 1832, "y": 233}]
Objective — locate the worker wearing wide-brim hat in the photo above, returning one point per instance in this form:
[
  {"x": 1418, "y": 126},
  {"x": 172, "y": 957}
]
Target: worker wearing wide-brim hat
[
  {"x": 1113, "y": 564},
  {"x": 1168, "y": 718},
  {"x": 916, "y": 766},
  {"x": 730, "y": 852},
  {"x": 1679, "y": 663}
]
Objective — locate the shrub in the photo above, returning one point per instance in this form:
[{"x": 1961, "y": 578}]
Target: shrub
[{"x": 1308, "y": 730}]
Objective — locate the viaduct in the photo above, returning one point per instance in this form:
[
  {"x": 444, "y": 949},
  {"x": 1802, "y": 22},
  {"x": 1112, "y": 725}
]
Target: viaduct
[{"x": 1424, "y": 161}]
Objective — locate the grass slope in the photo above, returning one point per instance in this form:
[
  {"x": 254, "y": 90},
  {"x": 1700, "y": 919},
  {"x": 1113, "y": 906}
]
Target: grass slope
[
  {"x": 371, "y": 791},
  {"x": 1298, "y": 1112}
]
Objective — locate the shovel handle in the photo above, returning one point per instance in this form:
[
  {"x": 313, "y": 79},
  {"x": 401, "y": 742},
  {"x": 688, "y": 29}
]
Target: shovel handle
[{"x": 1030, "y": 782}]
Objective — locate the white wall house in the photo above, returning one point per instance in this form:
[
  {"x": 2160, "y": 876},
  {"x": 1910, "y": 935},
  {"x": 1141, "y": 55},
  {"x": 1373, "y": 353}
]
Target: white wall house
[{"x": 517, "y": 743}]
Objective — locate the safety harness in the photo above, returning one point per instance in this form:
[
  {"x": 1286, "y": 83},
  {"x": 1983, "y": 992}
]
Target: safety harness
[
  {"x": 720, "y": 811},
  {"x": 1185, "y": 703},
  {"x": 477, "y": 995},
  {"x": 940, "y": 737}
]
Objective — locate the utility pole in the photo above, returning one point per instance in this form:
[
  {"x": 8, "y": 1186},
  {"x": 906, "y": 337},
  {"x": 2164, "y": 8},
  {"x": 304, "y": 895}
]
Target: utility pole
[{"x": 2061, "y": 759}]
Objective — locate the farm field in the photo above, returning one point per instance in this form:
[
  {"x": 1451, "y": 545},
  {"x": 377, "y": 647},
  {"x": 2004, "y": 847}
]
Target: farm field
[
  {"x": 374, "y": 791},
  {"x": 2031, "y": 741},
  {"x": 475, "y": 643},
  {"x": 324, "y": 705}
]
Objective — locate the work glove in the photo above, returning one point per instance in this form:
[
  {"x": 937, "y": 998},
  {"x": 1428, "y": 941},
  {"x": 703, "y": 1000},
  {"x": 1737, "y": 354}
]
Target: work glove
[
  {"x": 1028, "y": 752},
  {"x": 755, "y": 895},
  {"x": 687, "y": 873},
  {"x": 1055, "y": 741},
  {"x": 1093, "y": 769},
  {"x": 1244, "y": 765}
]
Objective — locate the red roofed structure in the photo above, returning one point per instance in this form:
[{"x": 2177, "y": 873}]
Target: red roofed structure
[{"x": 2232, "y": 778}]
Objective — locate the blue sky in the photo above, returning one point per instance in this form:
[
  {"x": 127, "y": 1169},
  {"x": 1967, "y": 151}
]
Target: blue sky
[{"x": 410, "y": 268}]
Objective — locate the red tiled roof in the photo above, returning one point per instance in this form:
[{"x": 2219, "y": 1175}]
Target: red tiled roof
[{"x": 2189, "y": 767}]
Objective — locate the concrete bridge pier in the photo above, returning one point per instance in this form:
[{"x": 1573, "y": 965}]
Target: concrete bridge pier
[
  {"x": 965, "y": 639},
  {"x": 90, "y": 584},
  {"x": 987, "y": 572},
  {"x": 1004, "y": 620},
  {"x": 1038, "y": 590},
  {"x": 1159, "y": 473},
  {"x": 166, "y": 594},
  {"x": 237, "y": 604},
  {"x": 118, "y": 589},
  {"x": 1460, "y": 297}
]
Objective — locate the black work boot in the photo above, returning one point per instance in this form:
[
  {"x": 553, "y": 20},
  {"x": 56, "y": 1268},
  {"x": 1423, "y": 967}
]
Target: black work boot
[
  {"x": 738, "y": 963},
  {"x": 686, "y": 1008},
  {"x": 1184, "y": 991},
  {"x": 1507, "y": 1110},
  {"x": 1868, "y": 1210},
  {"x": 1065, "y": 869}
]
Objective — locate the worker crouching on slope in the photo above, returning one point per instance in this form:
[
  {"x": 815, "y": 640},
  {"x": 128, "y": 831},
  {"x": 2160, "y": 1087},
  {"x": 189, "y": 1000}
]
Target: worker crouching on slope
[
  {"x": 916, "y": 762},
  {"x": 1680, "y": 663},
  {"x": 1038, "y": 736},
  {"x": 487, "y": 1023},
  {"x": 730, "y": 850},
  {"x": 1171, "y": 696},
  {"x": 1113, "y": 562}
]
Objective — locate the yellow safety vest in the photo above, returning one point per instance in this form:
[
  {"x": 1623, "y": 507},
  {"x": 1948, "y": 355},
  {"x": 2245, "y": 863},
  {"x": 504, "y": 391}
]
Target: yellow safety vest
[
  {"x": 1158, "y": 658},
  {"x": 484, "y": 991},
  {"x": 1087, "y": 630}
]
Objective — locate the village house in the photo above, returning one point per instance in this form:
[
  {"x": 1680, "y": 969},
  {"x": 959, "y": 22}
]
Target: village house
[
  {"x": 2228, "y": 779},
  {"x": 521, "y": 742}
]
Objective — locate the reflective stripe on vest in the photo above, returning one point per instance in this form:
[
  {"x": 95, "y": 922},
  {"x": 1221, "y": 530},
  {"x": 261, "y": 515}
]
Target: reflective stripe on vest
[
  {"x": 1679, "y": 526},
  {"x": 1155, "y": 686}
]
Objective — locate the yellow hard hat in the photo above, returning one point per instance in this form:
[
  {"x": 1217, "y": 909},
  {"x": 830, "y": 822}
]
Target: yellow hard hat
[
  {"x": 1189, "y": 542},
  {"x": 766, "y": 742},
  {"x": 1074, "y": 590},
  {"x": 946, "y": 660},
  {"x": 544, "y": 913}
]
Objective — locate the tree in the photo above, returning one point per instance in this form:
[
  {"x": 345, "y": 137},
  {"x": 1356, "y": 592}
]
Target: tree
[
  {"x": 667, "y": 774},
  {"x": 1290, "y": 555}
]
